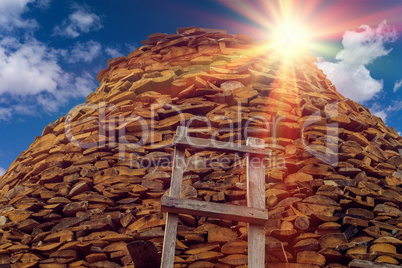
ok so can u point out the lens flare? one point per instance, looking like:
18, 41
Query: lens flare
314, 24
290, 33
290, 38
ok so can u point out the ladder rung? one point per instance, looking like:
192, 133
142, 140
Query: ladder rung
192, 142
215, 210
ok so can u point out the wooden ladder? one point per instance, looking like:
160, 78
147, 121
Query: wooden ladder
254, 214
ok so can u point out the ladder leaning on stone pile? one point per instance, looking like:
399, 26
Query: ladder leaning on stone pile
255, 214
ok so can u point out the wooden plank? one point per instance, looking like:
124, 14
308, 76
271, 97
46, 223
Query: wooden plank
218, 145
370, 264
144, 254
275, 252
399, 147
216, 210
255, 199
178, 166
291, 265
169, 240
172, 219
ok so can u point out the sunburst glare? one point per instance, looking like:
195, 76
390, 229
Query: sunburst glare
290, 33
309, 23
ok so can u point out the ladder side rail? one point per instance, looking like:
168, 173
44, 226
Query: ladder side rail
256, 199
172, 219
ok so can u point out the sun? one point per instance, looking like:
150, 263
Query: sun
291, 38
290, 33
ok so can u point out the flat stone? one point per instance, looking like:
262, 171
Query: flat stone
382, 248
332, 240
355, 221
310, 257
389, 240
382, 208
360, 213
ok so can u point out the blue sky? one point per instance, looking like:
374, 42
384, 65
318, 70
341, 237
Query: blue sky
51, 51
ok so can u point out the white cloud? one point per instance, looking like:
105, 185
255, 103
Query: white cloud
366, 44
131, 47
395, 107
113, 52
33, 79
353, 81
5, 113
85, 52
72, 87
397, 85
79, 22
384, 113
2, 171
43, 3
28, 68
360, 47
10, 14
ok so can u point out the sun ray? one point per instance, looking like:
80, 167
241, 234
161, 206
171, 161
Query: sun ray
293, 27
325, 20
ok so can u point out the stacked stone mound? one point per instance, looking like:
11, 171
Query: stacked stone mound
93, 181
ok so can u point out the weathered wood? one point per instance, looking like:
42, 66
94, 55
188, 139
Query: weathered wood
370, 264
310, 257
144, 254
218, 145
350, 232
255, 214
274, 252
399, 148
332, 240
172, 219
215, 210
256, 199
302, 223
